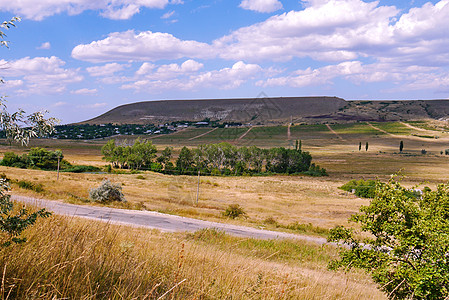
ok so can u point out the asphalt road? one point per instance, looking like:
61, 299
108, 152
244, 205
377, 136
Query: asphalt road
155, 220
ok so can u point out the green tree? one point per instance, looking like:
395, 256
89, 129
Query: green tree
407, 245
185, 160
165, 156
366, 146
360, 146
108, 151
401, 146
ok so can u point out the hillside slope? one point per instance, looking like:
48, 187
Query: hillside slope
274, 110
258, 110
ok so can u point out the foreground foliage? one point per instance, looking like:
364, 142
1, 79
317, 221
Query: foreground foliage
408, 251
12, 224
70, 258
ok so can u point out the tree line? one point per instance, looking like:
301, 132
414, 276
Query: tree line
213, 159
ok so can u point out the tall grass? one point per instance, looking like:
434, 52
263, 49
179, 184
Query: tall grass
79, 259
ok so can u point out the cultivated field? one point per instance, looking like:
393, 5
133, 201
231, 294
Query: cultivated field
298, 204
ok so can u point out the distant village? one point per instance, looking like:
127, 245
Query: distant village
88, 132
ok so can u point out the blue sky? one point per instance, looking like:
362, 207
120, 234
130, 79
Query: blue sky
80, 58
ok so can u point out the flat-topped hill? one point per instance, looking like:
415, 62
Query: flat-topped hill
274, 110
256, 110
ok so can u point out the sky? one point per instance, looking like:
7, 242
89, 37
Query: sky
80, 58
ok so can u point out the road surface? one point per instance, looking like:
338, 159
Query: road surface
155, 220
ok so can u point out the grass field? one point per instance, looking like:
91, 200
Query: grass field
78, 259
298, 204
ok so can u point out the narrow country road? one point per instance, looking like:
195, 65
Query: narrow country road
155, 220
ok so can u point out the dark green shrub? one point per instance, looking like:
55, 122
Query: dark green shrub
82, 169
361, 188
315, 170
234, 211
156, 167
28, 185
10, 159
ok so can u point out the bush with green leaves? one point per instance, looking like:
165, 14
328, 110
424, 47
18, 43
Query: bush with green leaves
361, 188
82, 169
28, 185
36, 158
12, 223
234, 211
407, 245
107, 192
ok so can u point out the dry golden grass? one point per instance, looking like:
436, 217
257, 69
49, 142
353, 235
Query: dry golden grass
87, 260
79, 259
286, 199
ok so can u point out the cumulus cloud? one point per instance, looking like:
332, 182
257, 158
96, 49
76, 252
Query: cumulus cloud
320, 76
262, 6
84, 92
105, 70
342, 30
226, 78
405, 78
143, 46
117, 9
40, 75
335, 28
168, 71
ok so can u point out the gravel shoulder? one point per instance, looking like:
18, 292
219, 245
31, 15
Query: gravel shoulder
155, 220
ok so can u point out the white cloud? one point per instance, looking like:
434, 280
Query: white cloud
44, 46
329, 30
12, 84
149, 46
106, 70
262, 6
226, 78
320, 76
405, 78
93, 105
168, 15
116, 9
169, 71
40, 75
342, 30
145, 68
84, 92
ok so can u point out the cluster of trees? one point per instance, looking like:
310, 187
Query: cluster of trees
37, 158
224, 158
214, 159
139, 155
